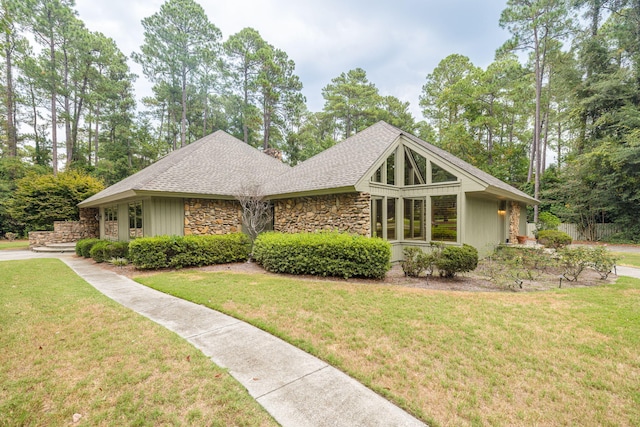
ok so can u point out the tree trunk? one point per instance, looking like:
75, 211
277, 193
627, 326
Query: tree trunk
54, 118
96, 135
12, 140
67, 110
183, 121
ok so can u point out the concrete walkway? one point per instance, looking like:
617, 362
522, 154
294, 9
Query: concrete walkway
296, 388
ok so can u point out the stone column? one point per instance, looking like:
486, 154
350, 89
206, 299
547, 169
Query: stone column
514, 222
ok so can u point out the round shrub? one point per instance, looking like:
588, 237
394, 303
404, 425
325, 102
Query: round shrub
83, 247
457, 259
554, 238
97, 250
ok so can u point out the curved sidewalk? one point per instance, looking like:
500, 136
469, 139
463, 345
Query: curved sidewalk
297, 389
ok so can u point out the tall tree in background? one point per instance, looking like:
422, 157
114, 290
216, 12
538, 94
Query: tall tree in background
48, 21
352, 100
537, 26
177, 40
10, 42
278, 90
244, 66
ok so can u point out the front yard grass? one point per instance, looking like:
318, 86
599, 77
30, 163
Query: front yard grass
14, 244
562, 357
628, 259
67, 349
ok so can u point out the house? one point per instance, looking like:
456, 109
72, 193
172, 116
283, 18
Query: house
380, 182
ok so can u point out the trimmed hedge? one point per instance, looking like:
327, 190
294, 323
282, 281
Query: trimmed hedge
323, 254
554, 238
83, 247
188, 251
104, 250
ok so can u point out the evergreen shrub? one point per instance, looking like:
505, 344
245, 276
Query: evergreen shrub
554, 238
188, 251
457, 259
83, 247
323, 254
104, 250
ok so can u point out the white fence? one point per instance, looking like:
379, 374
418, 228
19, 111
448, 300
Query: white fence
597, 232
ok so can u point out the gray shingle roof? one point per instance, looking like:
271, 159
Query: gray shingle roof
221, 165
217, 164
344, 164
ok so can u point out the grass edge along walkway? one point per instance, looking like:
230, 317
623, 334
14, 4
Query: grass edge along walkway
68, 349
552, 358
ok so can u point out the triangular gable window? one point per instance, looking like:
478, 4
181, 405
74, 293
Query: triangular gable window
440, 175
415, 168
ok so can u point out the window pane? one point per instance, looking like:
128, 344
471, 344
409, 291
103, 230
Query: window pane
376, 217
391, 169
414, 219
391, 219
415, 168
444, 218
377, 176
440, 175
135, 220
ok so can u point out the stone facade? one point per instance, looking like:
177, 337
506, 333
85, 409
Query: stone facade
212, 216
514, 222
68, 231
350, 212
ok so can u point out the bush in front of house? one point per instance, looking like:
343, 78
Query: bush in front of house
188, 251
554, 238
417, 260
83, 247
323, 254
457, 259
104, 250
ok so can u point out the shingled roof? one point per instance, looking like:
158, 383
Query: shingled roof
220, 165
216, 165
346, 163
342, 165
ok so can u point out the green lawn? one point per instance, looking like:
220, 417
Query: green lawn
628, 259
68, 349
565, 357
14, 244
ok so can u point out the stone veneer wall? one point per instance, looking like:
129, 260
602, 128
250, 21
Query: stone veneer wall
212, 216
514, 222
68, 231
350, 212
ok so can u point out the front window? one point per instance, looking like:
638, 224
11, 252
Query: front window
135, 220
391, 219
440, 175
391, 169
111, 223
414, 219
383, 218
376, 217
415, 168
444, 218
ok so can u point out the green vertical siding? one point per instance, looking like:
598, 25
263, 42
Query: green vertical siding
165, 217
482, 224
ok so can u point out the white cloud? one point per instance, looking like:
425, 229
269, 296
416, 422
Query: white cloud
397, 43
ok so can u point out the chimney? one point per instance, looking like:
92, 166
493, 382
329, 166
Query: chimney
273, 153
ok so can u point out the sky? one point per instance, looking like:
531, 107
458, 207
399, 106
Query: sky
397, 42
